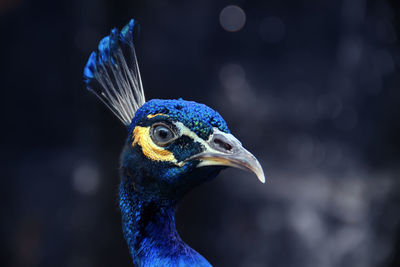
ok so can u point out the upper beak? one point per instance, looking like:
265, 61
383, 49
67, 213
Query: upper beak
225, 150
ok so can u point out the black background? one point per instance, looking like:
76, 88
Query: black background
311, 87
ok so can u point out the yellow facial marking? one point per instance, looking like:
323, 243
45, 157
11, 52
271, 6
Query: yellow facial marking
153, 115
142, 137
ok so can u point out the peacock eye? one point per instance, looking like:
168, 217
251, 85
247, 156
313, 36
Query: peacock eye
161, 134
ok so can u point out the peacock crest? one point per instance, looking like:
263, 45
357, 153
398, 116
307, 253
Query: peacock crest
113, 73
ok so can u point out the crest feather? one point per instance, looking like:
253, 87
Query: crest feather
113, 74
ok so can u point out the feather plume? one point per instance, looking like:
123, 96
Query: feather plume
113, 74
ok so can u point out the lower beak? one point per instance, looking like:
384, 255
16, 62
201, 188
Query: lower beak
225, 150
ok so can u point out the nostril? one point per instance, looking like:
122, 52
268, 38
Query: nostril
222, 144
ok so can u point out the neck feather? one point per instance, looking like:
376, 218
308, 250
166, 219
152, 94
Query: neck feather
149, 229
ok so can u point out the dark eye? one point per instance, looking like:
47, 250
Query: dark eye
162, 134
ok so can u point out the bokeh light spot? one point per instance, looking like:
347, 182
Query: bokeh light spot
86, 179
232, 76
232, 18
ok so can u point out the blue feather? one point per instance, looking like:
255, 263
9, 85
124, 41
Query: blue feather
108, 47
90, 68
126, 35
113, 73
104, 50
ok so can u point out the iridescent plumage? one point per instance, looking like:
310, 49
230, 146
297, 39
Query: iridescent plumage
113, 74
172, 146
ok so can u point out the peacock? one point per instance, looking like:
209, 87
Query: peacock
172, 147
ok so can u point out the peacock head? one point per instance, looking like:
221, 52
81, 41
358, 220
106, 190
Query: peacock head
174, 145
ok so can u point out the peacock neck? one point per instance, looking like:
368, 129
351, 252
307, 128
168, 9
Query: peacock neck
149, 229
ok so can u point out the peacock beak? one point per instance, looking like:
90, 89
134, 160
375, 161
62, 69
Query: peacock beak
224, 149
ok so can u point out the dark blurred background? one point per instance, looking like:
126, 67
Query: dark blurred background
311, 87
